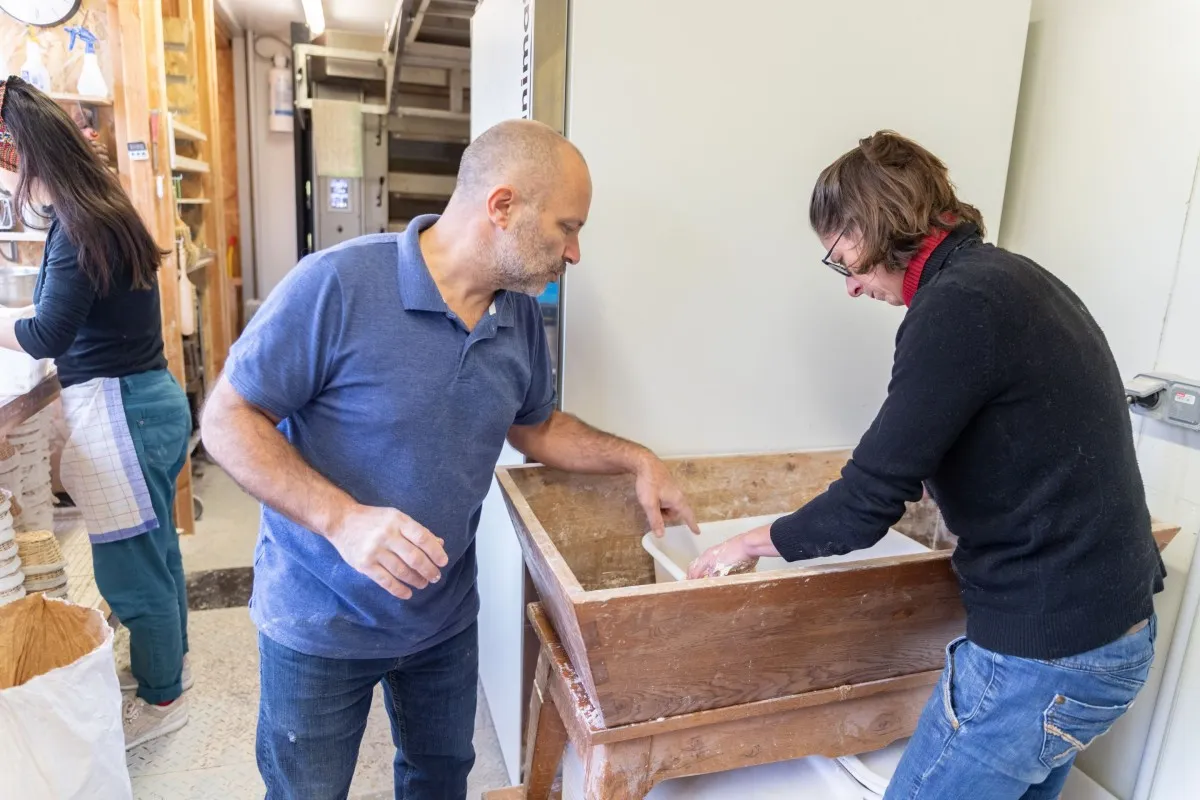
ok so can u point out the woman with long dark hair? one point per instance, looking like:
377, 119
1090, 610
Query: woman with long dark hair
97, 313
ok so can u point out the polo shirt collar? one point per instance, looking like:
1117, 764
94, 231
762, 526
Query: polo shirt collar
419, 291
503, 304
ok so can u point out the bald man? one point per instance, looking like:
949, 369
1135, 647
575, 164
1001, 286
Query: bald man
365, 406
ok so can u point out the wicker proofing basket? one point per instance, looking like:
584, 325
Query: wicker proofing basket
39, 549
49, 582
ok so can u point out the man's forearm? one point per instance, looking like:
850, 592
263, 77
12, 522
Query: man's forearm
567, 443
247, 445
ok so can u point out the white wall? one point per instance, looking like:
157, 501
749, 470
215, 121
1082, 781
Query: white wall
700, 318
495, 96
1103, 157
274, 177
1170, 460
1102, 178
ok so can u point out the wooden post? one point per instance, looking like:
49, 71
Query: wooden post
545, 738
217, 317
142, 90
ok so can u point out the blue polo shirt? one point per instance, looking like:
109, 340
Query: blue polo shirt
388, 395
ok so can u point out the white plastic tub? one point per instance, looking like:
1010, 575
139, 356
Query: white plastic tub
862, 777
678, 547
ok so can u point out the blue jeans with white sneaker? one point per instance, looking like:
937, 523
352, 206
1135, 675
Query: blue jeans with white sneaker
1005, 728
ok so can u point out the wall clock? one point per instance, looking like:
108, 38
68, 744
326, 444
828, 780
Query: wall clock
43, 13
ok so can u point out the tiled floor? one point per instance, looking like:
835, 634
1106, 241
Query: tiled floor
213, 757
226, 531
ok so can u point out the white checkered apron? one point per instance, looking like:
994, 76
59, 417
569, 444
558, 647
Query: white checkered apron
100, 468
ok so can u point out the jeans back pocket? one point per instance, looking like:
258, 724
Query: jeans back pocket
1070, 726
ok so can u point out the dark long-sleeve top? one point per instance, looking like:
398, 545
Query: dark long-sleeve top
1006, 401
89, 335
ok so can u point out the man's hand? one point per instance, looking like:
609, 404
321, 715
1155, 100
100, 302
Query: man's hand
734, 556
563, 442
390, 548
661, 499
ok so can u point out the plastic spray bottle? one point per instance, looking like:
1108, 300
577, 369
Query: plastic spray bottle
91, 80
33, 71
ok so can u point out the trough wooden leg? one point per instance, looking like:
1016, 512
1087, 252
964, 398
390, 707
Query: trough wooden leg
545, 736
619, 771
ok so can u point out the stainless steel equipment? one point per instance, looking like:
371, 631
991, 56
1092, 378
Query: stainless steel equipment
16, 285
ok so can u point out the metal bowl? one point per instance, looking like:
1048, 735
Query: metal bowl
16, 285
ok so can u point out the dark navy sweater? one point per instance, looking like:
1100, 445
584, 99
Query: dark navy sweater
1006, 401
89, 335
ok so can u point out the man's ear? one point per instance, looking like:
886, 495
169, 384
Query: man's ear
500, 202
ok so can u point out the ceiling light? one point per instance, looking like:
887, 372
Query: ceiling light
314, 16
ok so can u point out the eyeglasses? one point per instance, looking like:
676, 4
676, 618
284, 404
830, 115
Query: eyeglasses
840, 269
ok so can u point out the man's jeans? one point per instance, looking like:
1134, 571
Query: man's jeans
1004, 728
313, 711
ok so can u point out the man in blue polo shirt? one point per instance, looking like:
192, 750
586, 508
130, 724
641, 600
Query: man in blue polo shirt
365, 406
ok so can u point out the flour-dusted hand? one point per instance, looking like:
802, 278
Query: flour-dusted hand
734, 556
662, 499
390, 548
727, 558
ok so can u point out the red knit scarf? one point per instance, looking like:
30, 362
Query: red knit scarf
916, 265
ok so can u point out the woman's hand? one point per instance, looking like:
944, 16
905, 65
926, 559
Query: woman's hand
17, 312
8, 326
734, 556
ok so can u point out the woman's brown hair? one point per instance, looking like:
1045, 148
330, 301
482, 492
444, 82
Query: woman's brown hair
88, 200
893, 193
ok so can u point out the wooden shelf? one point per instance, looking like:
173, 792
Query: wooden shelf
186, 132
192, 201
182, 164
22, 236
87, 100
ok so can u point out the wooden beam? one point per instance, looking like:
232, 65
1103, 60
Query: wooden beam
219, 294
140, 88
625, 763
518, 793
1164, 533
17, 411
546, 738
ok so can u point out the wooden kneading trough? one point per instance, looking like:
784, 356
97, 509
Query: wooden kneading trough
644, 651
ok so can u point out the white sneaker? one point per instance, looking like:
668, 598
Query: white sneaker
144, 722
129, 683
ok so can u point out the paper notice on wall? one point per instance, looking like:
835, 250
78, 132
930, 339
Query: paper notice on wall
338, 138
